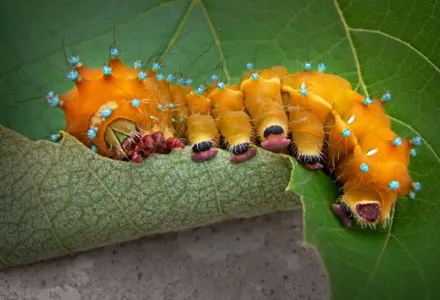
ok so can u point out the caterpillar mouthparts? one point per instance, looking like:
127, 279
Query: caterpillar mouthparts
130, 113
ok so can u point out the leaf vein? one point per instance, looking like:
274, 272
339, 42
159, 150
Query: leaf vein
379, 257
398, 40
216, 39
217, 194
40, 202
353, 50
417, 133
112, 196
419, 269
179, 28
363, 85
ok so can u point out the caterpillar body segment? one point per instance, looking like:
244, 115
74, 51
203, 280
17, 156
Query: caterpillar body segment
164, 105
265, 105
366, 119
130, 113
201, 129
233, 123
333, 89
198, 104
226, 100
340, 138
180, 110
237, 129
121, 70
203, 135
308, 113
308, 136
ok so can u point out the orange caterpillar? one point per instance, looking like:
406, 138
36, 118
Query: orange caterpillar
131, 112
365, 155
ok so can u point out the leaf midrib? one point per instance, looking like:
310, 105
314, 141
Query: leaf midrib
389, 234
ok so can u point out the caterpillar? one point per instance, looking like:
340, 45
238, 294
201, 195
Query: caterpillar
130, 112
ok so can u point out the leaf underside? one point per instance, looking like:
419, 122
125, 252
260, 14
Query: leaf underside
63, 198
377, 45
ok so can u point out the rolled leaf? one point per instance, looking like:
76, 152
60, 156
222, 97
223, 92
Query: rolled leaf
57, 199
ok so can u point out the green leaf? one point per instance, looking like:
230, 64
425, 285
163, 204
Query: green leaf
62, 198
377, 45
393, 48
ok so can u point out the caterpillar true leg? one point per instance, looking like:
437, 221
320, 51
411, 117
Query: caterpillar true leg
122, 135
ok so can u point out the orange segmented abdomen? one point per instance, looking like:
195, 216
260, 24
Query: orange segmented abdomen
228, 109
309, 100
87, 73
308, 114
